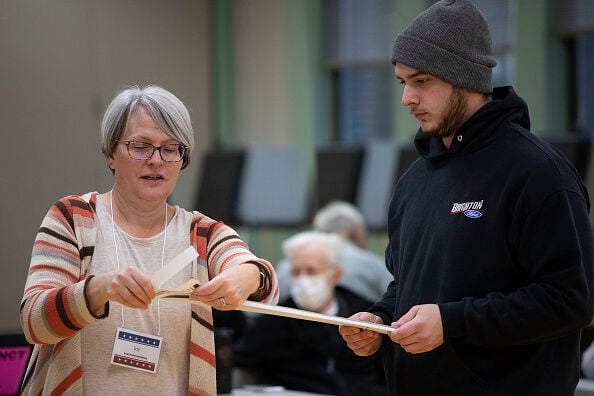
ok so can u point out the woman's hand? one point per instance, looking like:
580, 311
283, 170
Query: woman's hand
129, 287
230, 288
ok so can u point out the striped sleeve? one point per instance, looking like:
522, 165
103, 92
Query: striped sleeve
53, 306
222, 248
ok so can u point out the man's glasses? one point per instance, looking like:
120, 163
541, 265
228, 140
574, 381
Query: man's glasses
142, 151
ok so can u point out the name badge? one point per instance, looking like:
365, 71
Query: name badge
136, 350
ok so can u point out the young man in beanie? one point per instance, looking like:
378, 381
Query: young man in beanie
490, 243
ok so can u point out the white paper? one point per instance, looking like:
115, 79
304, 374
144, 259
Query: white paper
181, 292
173, 267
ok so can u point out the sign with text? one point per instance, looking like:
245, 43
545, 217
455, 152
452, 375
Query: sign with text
13, 361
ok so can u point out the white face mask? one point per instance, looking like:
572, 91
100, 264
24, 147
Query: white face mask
311, 293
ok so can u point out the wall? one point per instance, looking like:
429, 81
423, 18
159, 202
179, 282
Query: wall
62, 62
260, 68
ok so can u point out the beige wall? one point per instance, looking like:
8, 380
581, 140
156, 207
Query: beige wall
61, 63
261, 72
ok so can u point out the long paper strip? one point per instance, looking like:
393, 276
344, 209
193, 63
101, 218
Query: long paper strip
252, 306
182, 293
174, 266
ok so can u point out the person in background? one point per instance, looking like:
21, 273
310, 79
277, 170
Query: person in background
304, 355
364, 272
587, 365
489, 241
88, 291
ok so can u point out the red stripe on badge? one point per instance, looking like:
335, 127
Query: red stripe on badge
126, 361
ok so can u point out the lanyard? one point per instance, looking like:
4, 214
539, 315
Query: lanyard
118, 258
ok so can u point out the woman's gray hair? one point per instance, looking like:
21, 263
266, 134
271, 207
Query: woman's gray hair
168, 112
332, 244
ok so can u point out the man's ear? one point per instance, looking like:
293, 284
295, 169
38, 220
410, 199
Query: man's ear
337, 274
358, 235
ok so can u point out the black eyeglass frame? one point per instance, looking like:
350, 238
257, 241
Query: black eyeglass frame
181, 148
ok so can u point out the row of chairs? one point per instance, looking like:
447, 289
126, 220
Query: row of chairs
270, 186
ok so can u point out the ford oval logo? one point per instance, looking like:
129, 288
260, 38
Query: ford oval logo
473, 214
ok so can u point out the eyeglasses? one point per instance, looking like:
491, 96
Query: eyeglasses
142, 151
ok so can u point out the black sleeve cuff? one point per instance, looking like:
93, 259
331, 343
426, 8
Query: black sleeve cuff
265, 284
105, 309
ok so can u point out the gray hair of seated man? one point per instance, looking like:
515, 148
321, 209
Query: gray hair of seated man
331, 244
344, 219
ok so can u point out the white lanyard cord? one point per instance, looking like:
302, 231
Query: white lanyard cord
118, 258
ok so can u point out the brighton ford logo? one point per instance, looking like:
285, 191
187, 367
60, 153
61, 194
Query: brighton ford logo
473, 214
472, 210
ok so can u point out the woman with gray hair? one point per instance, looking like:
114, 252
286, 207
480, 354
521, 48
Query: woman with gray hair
89, 303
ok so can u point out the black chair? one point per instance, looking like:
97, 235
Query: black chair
576, 147
219, 185
338, 170
408, 155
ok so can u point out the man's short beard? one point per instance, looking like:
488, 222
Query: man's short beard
453, 117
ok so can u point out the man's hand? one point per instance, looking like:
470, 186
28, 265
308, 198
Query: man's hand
362, 342
419, 330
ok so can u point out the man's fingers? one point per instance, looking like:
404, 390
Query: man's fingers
401, 333
348, 330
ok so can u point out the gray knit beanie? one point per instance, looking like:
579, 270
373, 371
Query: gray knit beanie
451, 41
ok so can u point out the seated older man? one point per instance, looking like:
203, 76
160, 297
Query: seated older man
303, 355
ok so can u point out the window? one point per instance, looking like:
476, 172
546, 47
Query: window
501, 16
359, 37
584, 84
575, 23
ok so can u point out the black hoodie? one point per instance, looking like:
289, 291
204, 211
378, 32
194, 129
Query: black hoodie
494, 230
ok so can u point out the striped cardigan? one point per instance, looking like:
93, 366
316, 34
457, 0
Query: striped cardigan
54, 309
